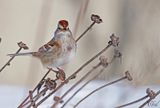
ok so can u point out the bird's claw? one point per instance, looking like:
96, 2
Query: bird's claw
61, 74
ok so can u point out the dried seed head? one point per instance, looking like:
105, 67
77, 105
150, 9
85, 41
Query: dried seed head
96, 18
50, 84
150, 93
103, 61
22, 45
57, 98
128, 75
61, 75
114, 40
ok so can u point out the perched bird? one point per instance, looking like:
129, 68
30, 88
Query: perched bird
59, 50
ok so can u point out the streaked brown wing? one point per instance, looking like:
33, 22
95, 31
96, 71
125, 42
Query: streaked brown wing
50, 46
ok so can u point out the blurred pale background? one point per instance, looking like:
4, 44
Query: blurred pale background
136, 22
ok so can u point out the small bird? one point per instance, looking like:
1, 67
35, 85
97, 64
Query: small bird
58, 51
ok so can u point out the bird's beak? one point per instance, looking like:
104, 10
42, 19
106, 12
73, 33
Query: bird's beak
64, 28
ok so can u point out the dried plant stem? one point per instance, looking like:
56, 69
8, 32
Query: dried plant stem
136, 101
120, 79
21, 46
37, 97
74, 74
82, 88
8, 63
150, 99
95, 76
20, 106
85, 31
78, 82
95, 19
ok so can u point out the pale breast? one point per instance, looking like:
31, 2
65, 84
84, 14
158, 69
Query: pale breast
68, 50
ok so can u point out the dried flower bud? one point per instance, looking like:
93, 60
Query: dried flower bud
57, 98
50, 84
96, 18
128, 75
22, 45
103, 61
61, 75
114, 40
150, 93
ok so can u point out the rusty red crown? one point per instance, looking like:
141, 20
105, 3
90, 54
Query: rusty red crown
64, 23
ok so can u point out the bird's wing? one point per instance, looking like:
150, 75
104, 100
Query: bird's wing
52, 45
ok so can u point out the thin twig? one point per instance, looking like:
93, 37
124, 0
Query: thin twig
20, 106
95, 76
21, 46
37, 97
31, 98
150, 93
78, 82
74, 74
150, 99
95, 19
80, 15
133, 102
81, 88
85, 31
127, 76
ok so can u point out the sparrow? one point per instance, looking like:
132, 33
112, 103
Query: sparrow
58, 51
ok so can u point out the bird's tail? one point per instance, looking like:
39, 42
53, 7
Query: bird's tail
20, 54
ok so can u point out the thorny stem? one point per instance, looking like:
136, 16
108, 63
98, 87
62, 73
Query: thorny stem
85, 31
120, 79
95, 76
74, 74
136, 101
20, 106
8, 63
78, 82
150, 99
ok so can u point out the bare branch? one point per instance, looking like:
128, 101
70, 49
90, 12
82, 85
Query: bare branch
120, 79
21, 46
95, 19
152, 96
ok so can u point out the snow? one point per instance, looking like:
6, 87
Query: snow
109, 97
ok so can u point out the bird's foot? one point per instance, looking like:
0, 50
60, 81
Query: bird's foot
60, 74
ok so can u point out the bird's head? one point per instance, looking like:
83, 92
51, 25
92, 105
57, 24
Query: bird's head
63, 25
